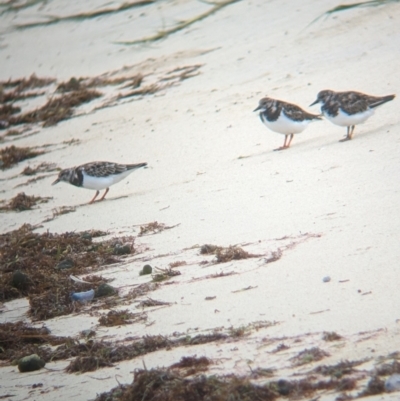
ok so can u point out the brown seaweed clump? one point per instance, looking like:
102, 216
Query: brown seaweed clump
46, 261
23, 202
12, 155
165, 385
309, 355
57, 108
120, 318
18, 339
226, 254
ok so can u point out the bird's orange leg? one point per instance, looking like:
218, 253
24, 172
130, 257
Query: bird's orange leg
94, 197
290, 140
348, 136
104, 195
351, 133
284, 144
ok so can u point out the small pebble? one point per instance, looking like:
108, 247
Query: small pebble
65, 264
105, 290
20, 280
326, 279
122, 249
30, 363
392, 383
147, 269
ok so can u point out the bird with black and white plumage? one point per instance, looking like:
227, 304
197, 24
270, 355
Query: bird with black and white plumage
284, 118
97, 175
350, 108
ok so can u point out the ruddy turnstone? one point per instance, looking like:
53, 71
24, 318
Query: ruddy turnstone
348, 109
97, 175
284, 118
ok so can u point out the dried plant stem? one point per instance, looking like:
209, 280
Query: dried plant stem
182, 25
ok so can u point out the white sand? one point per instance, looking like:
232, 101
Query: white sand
212, 171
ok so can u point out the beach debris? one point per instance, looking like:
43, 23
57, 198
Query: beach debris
152, 228
190, 365
78, 280
67, 263
122, 249
105, 290
164, 274
226, 254
152, 302
308, 356
121, 317
181, 25
331, 336
40, 168
37, 255
392, 383
22, 202
83, 297
374, 386
30, 363
20, 280
338, 370
141, 290
147, 269
11, 155
172, 384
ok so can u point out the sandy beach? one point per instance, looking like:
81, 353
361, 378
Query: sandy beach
319, 220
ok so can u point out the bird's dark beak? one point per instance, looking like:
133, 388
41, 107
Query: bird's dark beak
258, 108
312, 104
56, 181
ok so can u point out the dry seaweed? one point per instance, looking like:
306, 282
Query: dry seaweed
190, 365
18, 339
301, 388
87, 15
40, 168
108, 353
165, 385
164, 274
339, 370
346, 7
22, 202
56, 109
22, 84
141, 290
121, 317
374, 386
12, 155
43, 257
226, 254
331, 336
309, 355
152, 302
182, 25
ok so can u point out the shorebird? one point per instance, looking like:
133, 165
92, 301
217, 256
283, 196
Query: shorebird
285, 118
347, 109
97, 175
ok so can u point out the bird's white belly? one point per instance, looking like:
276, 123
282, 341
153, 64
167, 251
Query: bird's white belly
345, 120
286, 126
99, 183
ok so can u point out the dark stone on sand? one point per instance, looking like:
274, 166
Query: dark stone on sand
20, 280
30, 363
105, 290
65, 264
147, 269
122, 249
